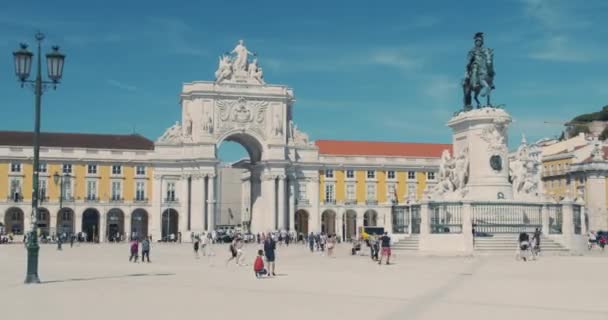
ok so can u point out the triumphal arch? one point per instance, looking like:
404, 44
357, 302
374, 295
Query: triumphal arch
238, 106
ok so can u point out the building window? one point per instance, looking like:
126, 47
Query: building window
301, 191
67, 168
350, 174
42, 167
116, 194
329, 173
350, 191
15, 167
42, 189
329, 193
391, 192
16, 190
92, 169
116, 169
411, 175
411, 190
390, 174
371, 192
371, 174
66, 215
140, 170
67, 189
91, 190
430, 175
170, 191
140, 194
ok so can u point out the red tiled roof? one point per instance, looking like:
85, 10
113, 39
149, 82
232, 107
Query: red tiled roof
77, 140
377, 148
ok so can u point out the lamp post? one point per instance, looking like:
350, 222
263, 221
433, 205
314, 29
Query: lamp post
23, 65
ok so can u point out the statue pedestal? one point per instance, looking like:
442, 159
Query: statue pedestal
482, 133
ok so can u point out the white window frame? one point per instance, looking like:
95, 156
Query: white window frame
170, 191
66, 168
42, 167
302, 191
430, 176
42, 185
116, 172
329, 173
113, 194
411, 173
388, 175
91, 194
18, 189
92, 166
68, 188
330, 192
137, 190
371, 176
137, 171
16, 167
371, 196
346, 172
391, 190
354, 192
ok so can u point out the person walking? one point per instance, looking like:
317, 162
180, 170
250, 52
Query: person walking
536, 239
385, 241
311, 242
145, 250
233, 252
134, 251
269, 251
196, 242
331, 243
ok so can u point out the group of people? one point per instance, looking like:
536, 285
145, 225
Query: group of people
599, 238
379, 246
145, 249
528, 248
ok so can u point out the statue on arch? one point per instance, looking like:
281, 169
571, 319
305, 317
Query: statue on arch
224, 71
240, 62
479, 73
172, 134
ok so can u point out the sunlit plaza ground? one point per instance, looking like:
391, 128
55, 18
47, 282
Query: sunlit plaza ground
97, 282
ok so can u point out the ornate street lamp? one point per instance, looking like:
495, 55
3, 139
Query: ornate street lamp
23, 66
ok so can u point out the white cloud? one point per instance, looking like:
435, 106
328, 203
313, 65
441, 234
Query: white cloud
555, 14
560, 49
395, 57
121, 85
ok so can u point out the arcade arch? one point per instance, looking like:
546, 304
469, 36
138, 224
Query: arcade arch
14, 221
90, 224
328, 222
65, 221
139, 224
301, 222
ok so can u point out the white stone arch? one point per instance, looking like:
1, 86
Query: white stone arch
251, 141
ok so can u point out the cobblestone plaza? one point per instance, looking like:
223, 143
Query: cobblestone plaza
97, 282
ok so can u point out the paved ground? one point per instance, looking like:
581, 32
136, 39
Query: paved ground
97, 282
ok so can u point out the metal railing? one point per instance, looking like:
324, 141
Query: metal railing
350, 202
302, 202
506, 217
371, 202
445, 217
555, 218
576, 218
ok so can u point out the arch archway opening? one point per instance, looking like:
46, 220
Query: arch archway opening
115, 225
90, 225
350, 225
370, 218
43, 221
328, 222
238, 186
301, 222
65, 221
14, 221
169, 225
139, 224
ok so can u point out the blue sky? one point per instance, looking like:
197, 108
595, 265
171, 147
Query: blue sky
383, 70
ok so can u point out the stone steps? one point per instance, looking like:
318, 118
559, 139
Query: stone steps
407, 244
508, 242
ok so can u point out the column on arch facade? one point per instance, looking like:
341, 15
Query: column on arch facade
292, 203
281, 203
211, 202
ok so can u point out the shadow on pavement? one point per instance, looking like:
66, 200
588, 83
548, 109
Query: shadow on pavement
109, 277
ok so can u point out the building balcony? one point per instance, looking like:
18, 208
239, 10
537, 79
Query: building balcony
15, 198
117, 200
171, 200
331, 202
371, 202
302, 202
140, 200
91, 198
350, 202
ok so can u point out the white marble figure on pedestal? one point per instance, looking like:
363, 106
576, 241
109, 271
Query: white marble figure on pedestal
240, 62
453, 176
525, 175
173, 134
224, 71
277, 126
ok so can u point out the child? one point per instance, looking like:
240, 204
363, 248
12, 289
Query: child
134, 251
258, 265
